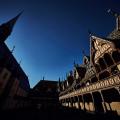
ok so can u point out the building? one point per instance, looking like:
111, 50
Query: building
94, 86
44, 94
14, 84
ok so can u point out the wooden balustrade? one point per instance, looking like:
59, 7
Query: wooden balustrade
111, 81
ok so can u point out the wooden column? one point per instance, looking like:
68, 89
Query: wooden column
83, 103
93, 101
105, 108
78, 102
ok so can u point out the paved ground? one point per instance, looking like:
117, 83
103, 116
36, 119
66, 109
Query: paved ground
54, 114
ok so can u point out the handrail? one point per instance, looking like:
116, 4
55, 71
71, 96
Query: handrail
85, 79
105, 83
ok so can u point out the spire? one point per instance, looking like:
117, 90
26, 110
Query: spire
6, 28
59, 80
43, 77
117, 16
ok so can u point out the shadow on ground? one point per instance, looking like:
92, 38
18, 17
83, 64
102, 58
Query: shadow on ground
60, 113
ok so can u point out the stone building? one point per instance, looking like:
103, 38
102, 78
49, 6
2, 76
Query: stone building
44, 94
95, 85
14, 84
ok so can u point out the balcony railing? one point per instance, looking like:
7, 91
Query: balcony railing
106, 83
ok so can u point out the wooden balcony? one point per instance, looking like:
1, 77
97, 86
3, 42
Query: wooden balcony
111, 81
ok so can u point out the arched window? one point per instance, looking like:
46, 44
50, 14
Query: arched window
108, 59
116, 56
102, 63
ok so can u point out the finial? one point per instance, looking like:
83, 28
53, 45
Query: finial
59, 79
90, 33
43, 77
13, 49
20, 62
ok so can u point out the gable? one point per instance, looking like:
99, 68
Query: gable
98, 47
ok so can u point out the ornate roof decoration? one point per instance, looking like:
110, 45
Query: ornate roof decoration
115, 34
98, 46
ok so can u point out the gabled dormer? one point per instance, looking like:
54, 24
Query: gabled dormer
99, 46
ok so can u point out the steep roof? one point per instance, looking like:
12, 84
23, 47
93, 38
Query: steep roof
115, 34
6, 28
46, 83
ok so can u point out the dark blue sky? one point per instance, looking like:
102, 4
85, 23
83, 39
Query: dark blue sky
51, 34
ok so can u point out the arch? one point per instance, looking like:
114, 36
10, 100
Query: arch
102, 63
116, 56
108, 59
104, 75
